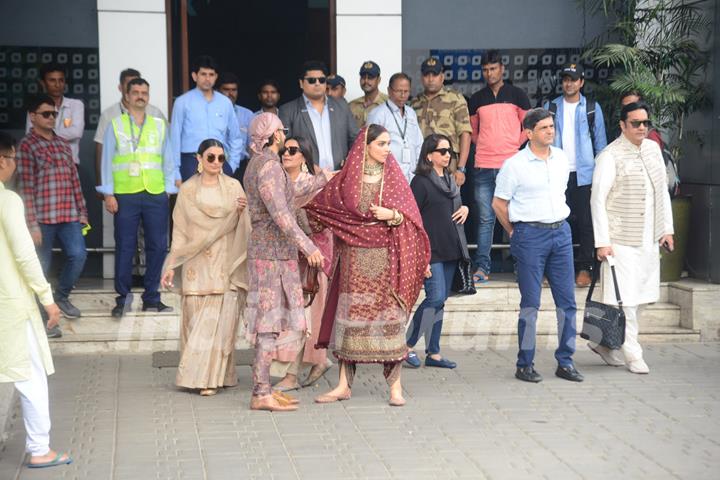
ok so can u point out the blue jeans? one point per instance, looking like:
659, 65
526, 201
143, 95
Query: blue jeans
154, 213
72, 242
428, 317
549, 252
484, 182
189, 165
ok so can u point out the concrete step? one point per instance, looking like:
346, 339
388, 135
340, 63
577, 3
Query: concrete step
491, 293
545, 339
489, 316
476, 319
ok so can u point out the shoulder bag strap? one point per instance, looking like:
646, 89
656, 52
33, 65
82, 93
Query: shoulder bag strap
595, 276
615, 284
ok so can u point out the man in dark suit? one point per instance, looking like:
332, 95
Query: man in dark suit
328, 125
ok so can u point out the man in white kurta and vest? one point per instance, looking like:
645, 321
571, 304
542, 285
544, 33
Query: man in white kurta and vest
24, 351
632, 217
138, 174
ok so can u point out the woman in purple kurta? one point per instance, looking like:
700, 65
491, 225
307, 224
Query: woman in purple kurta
275, 300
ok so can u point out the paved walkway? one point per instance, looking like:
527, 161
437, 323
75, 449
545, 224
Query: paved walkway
122, 419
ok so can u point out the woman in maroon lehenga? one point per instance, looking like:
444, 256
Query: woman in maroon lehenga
381, 257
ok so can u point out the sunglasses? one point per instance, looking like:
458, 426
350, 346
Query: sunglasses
313, 80
48, 114
291, 150
637, 123
211, 158
443, 151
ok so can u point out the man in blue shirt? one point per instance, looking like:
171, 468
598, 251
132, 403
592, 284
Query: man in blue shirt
228, 84
580, 132
530, 204
201, 114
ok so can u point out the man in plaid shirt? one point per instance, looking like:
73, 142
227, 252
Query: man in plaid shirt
54, 205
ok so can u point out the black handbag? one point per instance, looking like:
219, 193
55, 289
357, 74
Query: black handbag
604, 324
463, 280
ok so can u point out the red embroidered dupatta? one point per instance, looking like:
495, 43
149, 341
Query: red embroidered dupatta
337, 208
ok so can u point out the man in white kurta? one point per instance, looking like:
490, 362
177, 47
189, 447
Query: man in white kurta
631, 217
24, 351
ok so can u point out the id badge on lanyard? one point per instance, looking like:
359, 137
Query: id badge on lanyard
135, 167
406, 154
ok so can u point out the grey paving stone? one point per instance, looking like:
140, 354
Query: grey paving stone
475, 422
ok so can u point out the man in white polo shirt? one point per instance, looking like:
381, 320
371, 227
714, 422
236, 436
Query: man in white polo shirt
530, 204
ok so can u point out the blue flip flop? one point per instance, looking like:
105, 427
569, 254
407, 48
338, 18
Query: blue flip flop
52, 463
480, 277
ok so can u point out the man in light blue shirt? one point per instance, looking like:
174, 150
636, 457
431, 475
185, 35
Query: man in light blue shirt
201, 114
228, 85
530, 204
321, 126
405, 135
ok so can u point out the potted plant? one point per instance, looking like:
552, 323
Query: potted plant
657, 48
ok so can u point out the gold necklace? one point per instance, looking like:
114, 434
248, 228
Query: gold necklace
374, 169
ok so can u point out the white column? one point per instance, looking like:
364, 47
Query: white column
131, 34
368, 30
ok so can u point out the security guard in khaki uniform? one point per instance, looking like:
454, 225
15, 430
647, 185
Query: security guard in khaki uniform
137, 174
370, 83
444, 111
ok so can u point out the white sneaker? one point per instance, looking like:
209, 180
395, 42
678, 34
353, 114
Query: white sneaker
638, 366
611, 357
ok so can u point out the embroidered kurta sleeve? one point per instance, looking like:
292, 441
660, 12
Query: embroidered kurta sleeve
603, 180
272, 192
306, 187
21, 245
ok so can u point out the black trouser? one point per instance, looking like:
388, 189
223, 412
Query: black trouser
578, 199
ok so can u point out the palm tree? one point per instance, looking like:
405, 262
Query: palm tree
655, 47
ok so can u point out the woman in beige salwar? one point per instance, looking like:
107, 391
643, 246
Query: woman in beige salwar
297, 161
210, 232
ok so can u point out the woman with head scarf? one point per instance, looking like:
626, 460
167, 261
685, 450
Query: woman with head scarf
275, 302
381, 256
297, 160
210, 233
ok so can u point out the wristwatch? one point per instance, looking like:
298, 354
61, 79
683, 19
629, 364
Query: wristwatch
461, 169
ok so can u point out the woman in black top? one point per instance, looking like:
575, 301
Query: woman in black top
438, 198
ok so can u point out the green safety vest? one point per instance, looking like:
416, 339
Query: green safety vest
137, 164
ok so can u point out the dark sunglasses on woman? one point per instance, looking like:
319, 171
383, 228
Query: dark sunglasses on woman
443, 151
211, 158
291, 150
